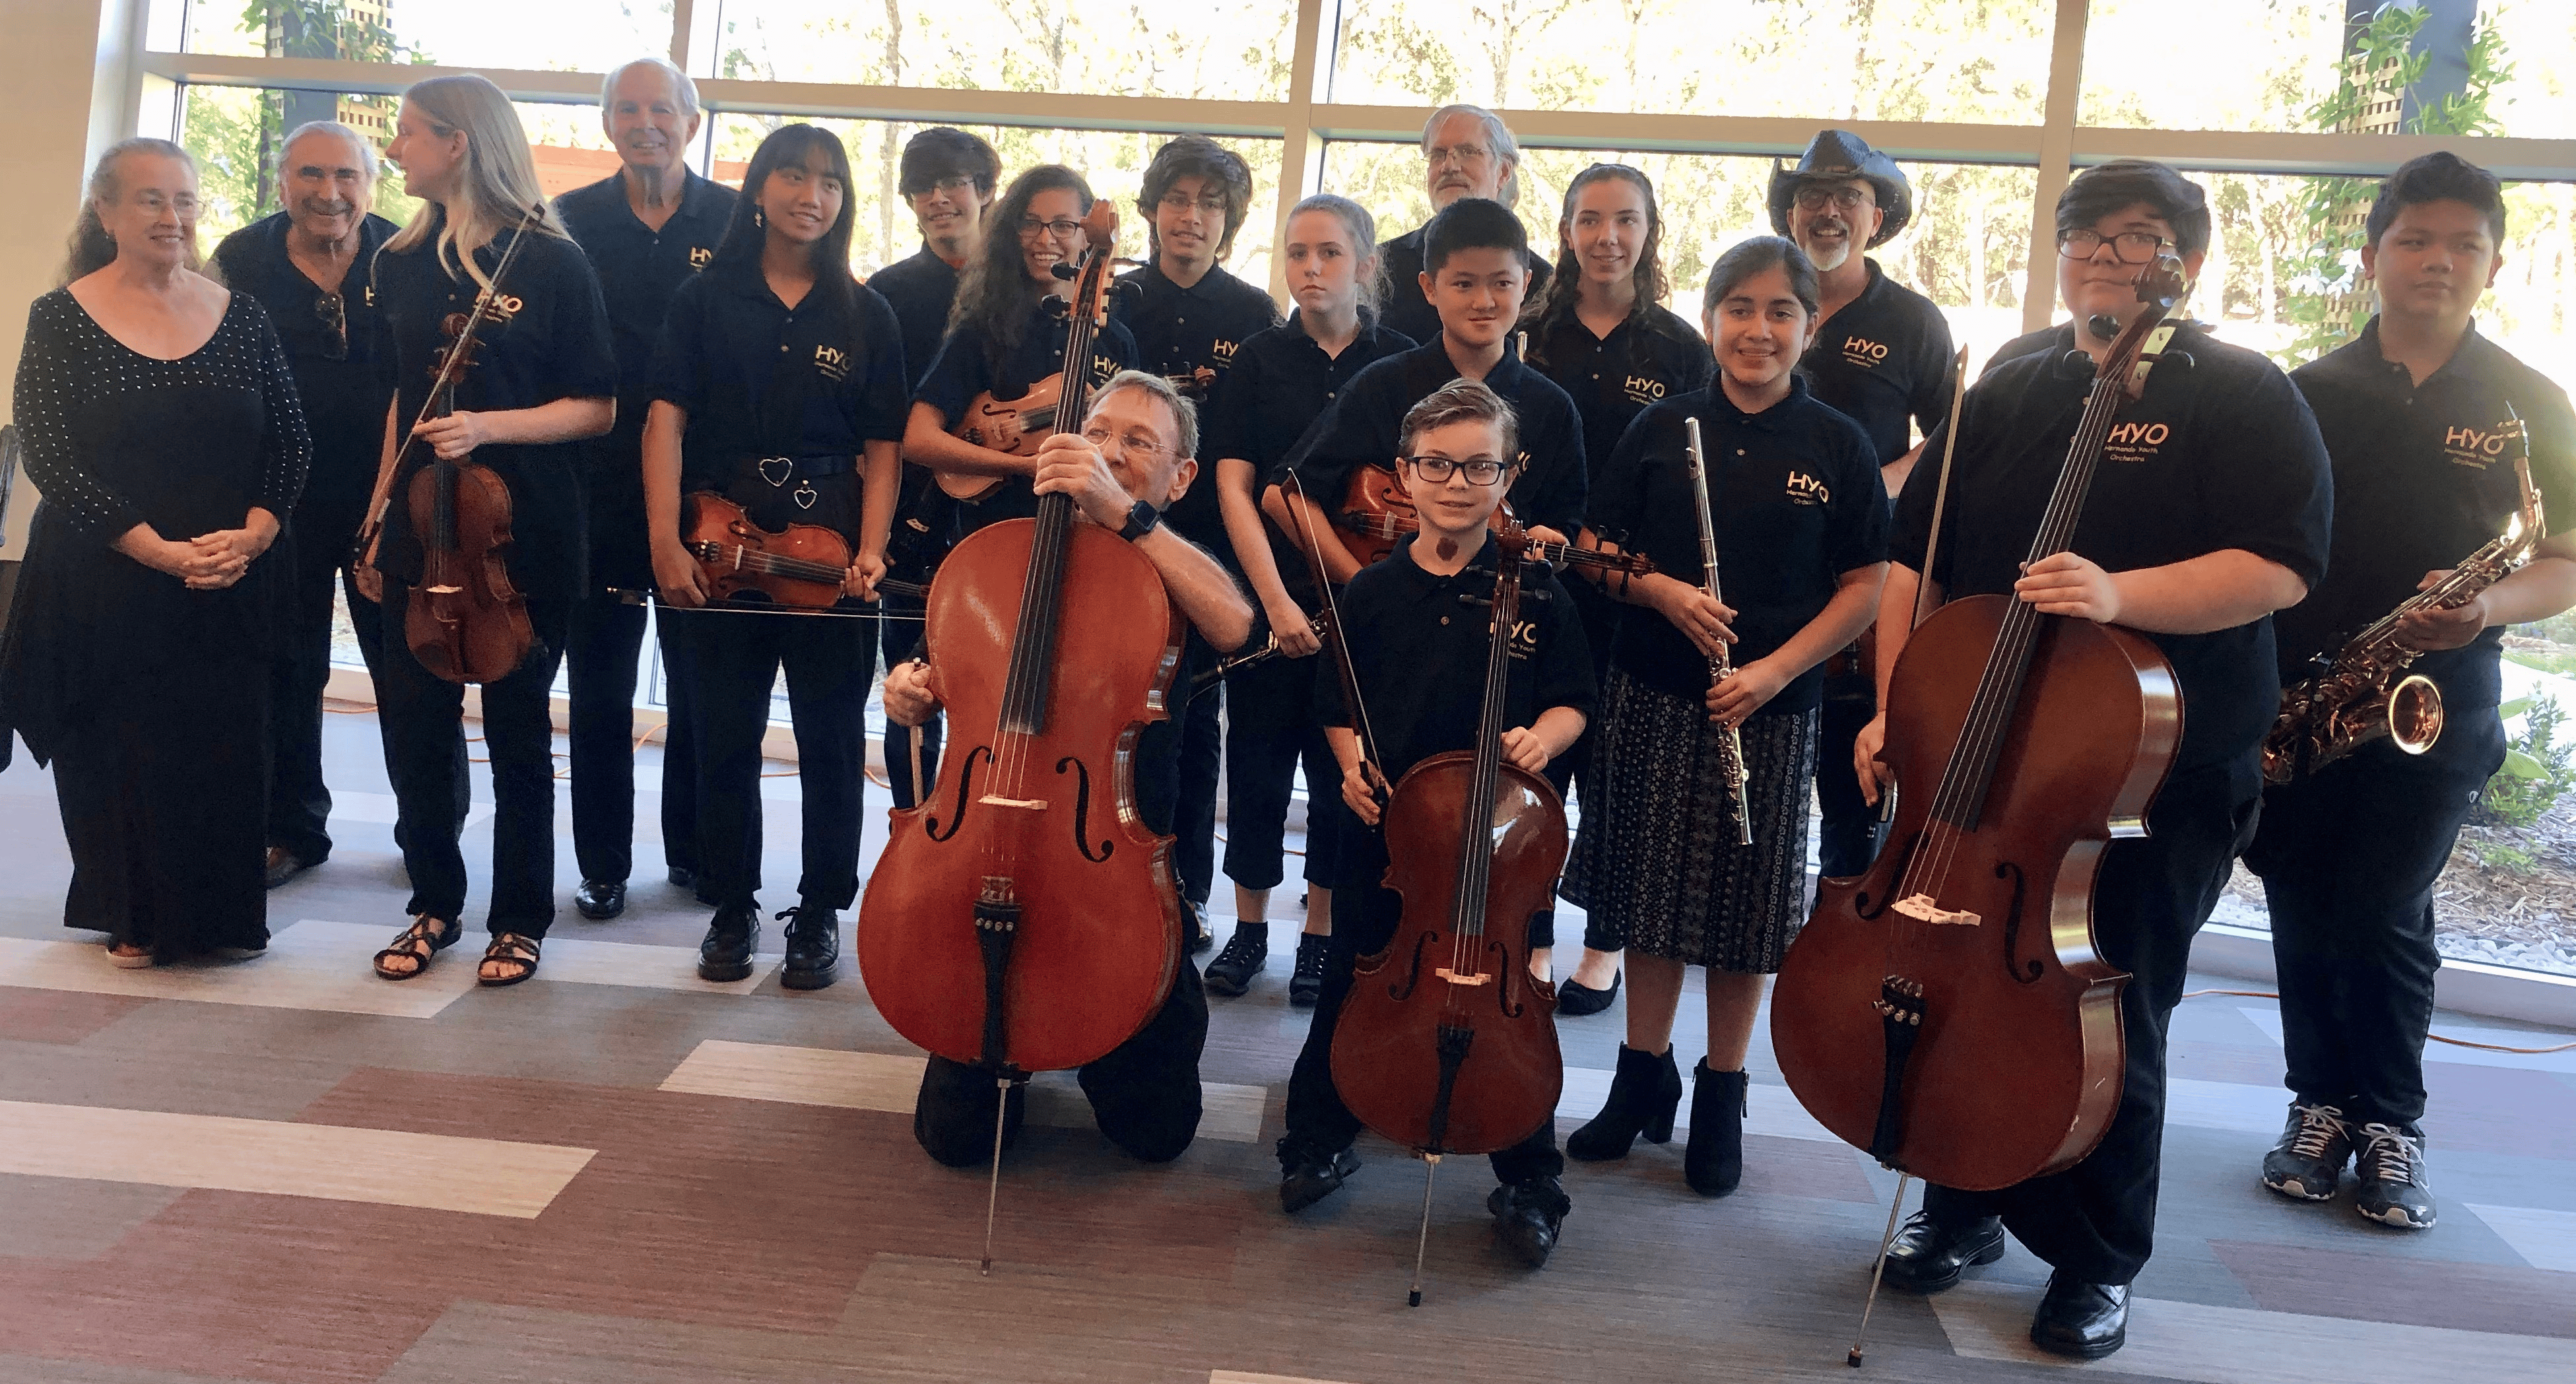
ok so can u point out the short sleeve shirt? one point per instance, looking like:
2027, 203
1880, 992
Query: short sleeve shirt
1648, 358
964, 369
1884, 359
553, 342
2220, 454
2423, 477
763, 382
1365, 426
1406, 310
920, 289
1795, 500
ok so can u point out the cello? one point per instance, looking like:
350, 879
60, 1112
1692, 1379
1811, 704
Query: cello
1447, 1043
1023, 918
1948, 1010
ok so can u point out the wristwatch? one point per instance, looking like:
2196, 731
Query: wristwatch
1141, 519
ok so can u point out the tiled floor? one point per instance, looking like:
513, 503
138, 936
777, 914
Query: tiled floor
287, 1170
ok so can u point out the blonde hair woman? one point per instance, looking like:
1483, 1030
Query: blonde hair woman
543, 377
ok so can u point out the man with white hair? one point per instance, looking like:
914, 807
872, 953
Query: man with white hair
647, 228
1467, 151
307, 265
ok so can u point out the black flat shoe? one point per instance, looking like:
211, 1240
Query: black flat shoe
1929, 1256
813, 947
732, 935
1528, 1218
1307, 1178
2082, 1321
599, 900
1573, 1000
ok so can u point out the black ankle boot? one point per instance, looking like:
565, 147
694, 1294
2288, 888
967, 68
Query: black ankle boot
1714, 1162
1643, 1096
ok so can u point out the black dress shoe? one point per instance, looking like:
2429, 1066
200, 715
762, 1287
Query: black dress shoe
1929, 1255
2083, 1321
1528, 1216
731, 937
682, 877
1575, 1001
1306, 1178
282, 865
813, 947
598, 899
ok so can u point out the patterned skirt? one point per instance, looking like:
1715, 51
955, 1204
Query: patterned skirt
1656, 860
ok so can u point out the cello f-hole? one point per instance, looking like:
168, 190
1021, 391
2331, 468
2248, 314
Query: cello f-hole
1867, 908
1082, 811
1512, 978
1403, 989
2030, 974
965, 788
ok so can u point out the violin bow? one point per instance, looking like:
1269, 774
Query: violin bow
1332, 623
1941, 492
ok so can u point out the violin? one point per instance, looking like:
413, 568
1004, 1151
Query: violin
1376, 512
801, 566
1447, 1044
465, 621
1022, 917
1947, 1010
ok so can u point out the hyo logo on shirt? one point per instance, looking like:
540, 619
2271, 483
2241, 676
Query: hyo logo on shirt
833, 362
2478, 447
1807, 490
2135, 441
1863, 352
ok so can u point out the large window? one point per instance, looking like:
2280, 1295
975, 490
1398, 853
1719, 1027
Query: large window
558, 35
1231, 49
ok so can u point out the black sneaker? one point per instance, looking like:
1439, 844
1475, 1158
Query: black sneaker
1232, 971
1528, 1217
1306, 984
2394, 1189
2307, 1165
732, 935
813, 947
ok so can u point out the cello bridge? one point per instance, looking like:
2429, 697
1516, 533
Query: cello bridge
1921, 908
1026, 804
1479, 978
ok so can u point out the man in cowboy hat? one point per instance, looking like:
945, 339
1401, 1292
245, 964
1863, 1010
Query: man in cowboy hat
1881, 353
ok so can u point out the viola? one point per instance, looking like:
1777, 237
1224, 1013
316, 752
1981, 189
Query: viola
1019, 425
1447, 1044
1947, 1010
1022, 917
801, 566
465, 621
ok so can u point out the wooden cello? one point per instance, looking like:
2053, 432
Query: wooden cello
1447, 1044
1947, 1010
1023, 918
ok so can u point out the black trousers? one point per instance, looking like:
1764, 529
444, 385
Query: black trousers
830, 662
1194, 811
679, 742
422, 715
1364, 921
1852, 831
2348, 857
601, 644
2096, 1221
901, 636
299, 802
1144, 1094
160, 786
1270, 730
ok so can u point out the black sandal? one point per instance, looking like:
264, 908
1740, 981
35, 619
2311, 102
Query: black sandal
424, 931
509, 949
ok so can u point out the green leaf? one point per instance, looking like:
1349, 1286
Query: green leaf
2523, 766
2514, 708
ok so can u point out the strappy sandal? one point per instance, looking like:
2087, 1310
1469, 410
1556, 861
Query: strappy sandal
419, 943
509, 949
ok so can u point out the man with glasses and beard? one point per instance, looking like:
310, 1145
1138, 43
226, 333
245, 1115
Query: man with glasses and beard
1467, 151
1880, 354
307, 265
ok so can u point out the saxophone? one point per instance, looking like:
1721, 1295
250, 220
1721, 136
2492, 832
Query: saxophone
2365, 692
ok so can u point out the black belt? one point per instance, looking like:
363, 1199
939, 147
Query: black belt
785, 471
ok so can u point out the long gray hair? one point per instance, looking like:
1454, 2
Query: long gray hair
92, 248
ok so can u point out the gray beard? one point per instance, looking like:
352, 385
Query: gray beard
1828, 263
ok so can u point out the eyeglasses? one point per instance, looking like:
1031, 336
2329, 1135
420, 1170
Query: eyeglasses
954, 182
1141, 445
1062, 228
334, 312
1465, 154
1181, 201
1843, 198
1438, 470
2132, 247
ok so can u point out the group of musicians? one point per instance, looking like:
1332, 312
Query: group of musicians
657, 344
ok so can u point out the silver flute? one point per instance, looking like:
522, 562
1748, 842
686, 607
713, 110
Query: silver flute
1731, 746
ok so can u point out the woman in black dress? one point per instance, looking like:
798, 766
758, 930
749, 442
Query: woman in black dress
1801, 532
544, 376
160, 421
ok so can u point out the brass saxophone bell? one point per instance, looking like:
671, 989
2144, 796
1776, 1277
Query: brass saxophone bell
2414, 714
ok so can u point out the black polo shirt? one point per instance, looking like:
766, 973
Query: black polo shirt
1884, 358
1280, 384
765, 384
345, 382
1795, 499
964, 369
1179, 331
554, 344
1365, 427
2221, 454
920, 290
2423, 477
1406, 310
1649, 357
